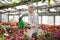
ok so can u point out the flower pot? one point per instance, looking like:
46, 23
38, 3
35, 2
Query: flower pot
39, 39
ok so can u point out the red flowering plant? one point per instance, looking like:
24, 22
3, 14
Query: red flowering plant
2, 31
58, 27
9, 38
55, 34
12, 33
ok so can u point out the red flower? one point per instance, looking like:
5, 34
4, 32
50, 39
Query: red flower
21, 38
49, 30
2, 31
55, 36
12, 30
40, 39
33, 39
59, 33
8, 37
16, 28
16, 39
54, 30
15, 33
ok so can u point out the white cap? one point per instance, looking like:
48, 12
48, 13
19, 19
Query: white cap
31, 6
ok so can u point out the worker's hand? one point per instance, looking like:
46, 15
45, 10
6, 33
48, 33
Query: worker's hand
32, 26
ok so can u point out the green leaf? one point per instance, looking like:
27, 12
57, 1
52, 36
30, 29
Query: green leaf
54, 0
47, 33
49, 2
37, 3
22, 0
4, 27
32, 1
1, 39
43, 1
15, 0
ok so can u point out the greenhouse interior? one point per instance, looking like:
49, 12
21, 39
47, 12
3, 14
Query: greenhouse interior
29, 19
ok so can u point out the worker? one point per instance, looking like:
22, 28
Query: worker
33, 20
21, 26
21, 22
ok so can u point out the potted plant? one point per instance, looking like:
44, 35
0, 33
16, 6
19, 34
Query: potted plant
40, 34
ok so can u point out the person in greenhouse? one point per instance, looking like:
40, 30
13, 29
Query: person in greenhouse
33, 19
21, 22
21, 26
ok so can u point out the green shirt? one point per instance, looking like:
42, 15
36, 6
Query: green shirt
21, 24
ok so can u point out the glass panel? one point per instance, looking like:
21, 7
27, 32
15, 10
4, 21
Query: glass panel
50, 20
57, 20
44, 19
5, 17
16, 18
25, 19
11, 18
39, 19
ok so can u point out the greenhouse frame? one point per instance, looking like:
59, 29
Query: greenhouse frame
29, 19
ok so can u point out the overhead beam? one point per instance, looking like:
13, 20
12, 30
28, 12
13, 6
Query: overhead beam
41, 14
46, 7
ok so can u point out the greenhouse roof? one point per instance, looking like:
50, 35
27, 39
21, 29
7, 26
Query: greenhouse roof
13, 3
25, 7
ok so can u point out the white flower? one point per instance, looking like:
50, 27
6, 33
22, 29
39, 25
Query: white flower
40, 32
6, 34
